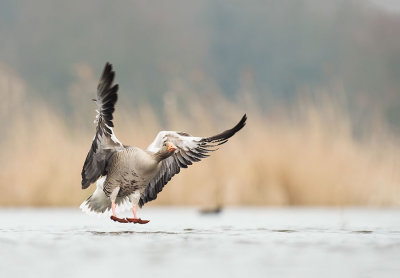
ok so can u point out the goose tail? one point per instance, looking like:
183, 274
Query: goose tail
99, 203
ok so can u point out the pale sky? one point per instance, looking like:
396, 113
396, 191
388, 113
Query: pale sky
389, 5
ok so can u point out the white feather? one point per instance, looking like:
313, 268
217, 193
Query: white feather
157, 143
100, 197
113, 137
184, 142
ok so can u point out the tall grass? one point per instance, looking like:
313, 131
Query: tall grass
301, 154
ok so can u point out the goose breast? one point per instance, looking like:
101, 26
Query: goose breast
131, 170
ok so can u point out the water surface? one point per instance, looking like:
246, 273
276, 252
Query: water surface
181, 242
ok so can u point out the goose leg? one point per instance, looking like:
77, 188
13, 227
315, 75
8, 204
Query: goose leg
114, 216
135, 219
134, 211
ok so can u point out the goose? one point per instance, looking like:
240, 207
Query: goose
128, 176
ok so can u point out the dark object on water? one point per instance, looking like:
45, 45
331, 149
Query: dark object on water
212, 210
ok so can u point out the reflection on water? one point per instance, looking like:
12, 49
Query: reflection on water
284, 231
129, 232
181, 242
362, 232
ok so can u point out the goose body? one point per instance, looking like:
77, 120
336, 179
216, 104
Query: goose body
128, 176
130, 171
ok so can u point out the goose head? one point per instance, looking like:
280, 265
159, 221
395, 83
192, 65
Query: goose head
166, 151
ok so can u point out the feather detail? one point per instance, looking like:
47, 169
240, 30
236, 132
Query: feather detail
189, 149
105, 143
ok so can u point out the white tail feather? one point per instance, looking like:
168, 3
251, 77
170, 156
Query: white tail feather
99, 203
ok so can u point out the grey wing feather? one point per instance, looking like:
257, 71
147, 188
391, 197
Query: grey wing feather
189, 149
104, 143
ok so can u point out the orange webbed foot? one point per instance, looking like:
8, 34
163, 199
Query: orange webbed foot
120, 220
137, 220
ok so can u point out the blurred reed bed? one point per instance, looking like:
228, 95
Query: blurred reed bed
300, 154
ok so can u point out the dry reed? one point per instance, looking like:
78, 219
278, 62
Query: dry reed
301, 155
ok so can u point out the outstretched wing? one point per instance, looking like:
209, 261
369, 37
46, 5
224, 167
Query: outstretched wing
104, 143
189, 149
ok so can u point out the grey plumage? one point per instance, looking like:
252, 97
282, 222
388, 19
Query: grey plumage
184, 156
104, 144
100, 203
130, 174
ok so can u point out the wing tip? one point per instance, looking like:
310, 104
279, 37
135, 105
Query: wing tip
108, 74
85, 184
224, 136
241, 123
108, 66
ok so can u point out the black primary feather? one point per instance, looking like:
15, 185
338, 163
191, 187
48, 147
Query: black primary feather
224, 136
103, 146
183, 158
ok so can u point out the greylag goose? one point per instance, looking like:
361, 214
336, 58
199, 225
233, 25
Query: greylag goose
131, 176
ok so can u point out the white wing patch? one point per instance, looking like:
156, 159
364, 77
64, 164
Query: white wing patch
182, 142
189, 149
158, 142
113, 137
